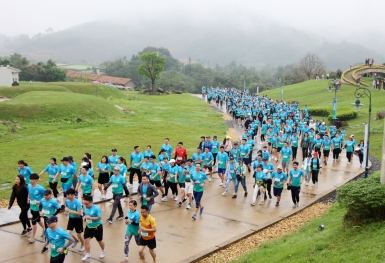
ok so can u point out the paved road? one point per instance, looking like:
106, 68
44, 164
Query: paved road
179, 239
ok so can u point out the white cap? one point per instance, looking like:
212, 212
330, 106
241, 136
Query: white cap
172, 161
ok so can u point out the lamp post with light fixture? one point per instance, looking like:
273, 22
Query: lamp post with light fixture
363, 92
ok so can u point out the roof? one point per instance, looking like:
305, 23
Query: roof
10, 69
98, 78
74, 67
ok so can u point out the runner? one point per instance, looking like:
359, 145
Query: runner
52, 170
165, 167
94, 227
259, 186
336, 146
223, 159
74, 210
216, 146
307, 169
326, 143
199, 179
104, 177
132, 222
172, 179
155, 174
148, 152
48, 207
235, 152
24, 170
122, 164
147, 193
305, 144
240, 172
280, 179
294, 145
286, 153
75, 166
180, 153
113, 160
66, 172
166, 146
188, 184
147, 234
117, 181
55, 237
136, 159
349, 146
20, 193
267, 168
296, 177
85, 182
230, 175
36, 193
315, 169
182, 171
208, 161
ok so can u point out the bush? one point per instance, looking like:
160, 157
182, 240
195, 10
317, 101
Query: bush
364, 200
320, 111
345, 114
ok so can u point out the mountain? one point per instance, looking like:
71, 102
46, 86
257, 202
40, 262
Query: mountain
254, 44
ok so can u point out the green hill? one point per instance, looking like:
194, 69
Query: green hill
11, 92
89, 89
50, 105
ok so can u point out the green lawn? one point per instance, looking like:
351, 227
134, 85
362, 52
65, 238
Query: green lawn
314, 93
334, 244
180, 117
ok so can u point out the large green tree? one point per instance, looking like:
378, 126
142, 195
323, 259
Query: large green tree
151, 67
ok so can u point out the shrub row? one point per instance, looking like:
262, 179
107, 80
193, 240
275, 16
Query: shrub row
342, 114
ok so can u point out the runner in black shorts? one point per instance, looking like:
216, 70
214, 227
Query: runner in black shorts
147, 234
74, 211
104, 176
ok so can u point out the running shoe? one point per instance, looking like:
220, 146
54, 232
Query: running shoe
188, 207
31, 240
82, 248
109, 221
120, 217
201, 210
125, 260
184, 200
86, 257
234, 196
224, 193
194, 217
102, 254
29, 230
221, 184
209, 179
75, 243
252, 204
245, 195
176, 198
44, 250
298, 204
277, 204
24, 233
179, 203
295, 205
164, 198
112, 201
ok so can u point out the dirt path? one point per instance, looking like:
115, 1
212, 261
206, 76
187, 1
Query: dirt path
4, 99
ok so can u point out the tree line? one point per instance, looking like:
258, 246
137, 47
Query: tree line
191, 76
45, 72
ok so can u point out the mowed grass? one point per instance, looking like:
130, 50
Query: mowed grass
179, 117
314, 93
56, 106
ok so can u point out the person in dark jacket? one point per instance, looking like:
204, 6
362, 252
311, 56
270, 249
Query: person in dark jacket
20, 193
147, 192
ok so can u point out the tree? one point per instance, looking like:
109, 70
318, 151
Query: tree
151, 67
18, 61
311, 64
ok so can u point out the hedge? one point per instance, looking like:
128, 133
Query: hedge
344, 115
320, 111
364, 200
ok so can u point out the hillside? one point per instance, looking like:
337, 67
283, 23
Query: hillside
256, 45
56, 106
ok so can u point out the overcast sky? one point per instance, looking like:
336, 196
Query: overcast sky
342, 17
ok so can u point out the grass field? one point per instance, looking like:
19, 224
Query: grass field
334, 244
180, 117
315, 93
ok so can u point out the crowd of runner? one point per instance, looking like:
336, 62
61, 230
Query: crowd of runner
281, 128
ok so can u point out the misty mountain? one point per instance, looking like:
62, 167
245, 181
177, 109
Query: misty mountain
255, 44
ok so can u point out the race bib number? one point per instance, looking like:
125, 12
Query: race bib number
144, 234
52, 246
220, 162
114, 185
89, 221
33, 202
285, 156
45, 212
277, 180
51, 176
179, 158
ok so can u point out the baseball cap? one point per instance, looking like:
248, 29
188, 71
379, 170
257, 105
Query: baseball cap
279, 167
172, 161
52, 219
231, 158
117, 168
47, 192
65, 159
228, 137
114, 150
70, 158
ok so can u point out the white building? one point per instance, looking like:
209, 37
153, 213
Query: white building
8, 75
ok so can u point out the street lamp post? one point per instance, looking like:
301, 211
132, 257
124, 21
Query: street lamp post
334, 111
244, 82
280, 80
363, 92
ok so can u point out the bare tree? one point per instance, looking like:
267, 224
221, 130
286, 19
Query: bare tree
311, 64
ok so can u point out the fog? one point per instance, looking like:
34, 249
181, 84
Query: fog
343, 20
